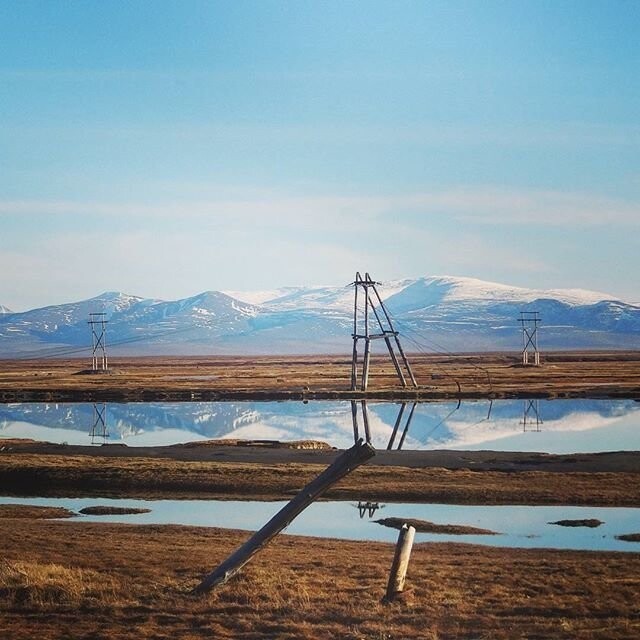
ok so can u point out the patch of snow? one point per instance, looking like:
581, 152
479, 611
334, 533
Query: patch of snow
473, 289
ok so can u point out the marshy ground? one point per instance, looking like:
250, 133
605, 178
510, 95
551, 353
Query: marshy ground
68, 579
61, 579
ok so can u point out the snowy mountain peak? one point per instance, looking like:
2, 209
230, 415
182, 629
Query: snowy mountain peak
114, 302
459, 314
4, 310
430, 290
262, 296
217, 300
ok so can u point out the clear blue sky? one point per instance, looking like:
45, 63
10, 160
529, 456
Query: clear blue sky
165, 148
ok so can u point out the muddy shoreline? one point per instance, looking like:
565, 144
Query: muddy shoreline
246, 472
230, 395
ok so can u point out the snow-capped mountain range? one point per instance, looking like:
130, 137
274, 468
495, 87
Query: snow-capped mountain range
432, 313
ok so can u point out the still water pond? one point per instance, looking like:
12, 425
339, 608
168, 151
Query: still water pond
551, 426
517, 526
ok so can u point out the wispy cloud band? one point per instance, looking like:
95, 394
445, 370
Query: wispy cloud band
476, 205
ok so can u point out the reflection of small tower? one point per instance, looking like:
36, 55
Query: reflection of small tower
368, 508
98, 325
362, 330
530, 321
99, 432
531, 419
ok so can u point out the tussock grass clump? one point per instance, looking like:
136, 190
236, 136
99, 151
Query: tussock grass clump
108, 511
45, 585
592, 523
424, 526
629, 537
283, 591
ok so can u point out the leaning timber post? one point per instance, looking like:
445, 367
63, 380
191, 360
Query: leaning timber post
400, 562
344, 464
365, 365
354, 357
354, 364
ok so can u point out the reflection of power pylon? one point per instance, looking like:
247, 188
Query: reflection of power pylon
368, 508
362, 330
98, 326
365, 420
531, 419
530, 321
99, 432
403, 406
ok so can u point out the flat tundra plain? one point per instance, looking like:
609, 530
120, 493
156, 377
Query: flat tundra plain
61, 579
487, 375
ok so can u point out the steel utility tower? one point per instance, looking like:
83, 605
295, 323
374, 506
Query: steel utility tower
98, 325
371, 321
530, 321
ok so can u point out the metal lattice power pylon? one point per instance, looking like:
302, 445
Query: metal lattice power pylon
98, 324
529, 320
371, 321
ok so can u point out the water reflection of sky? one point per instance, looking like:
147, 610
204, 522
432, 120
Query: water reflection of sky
518, 526
552, 426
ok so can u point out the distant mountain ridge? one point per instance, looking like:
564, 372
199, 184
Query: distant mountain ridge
433, 313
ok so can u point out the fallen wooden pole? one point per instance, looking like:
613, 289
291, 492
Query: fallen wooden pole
400, 562
344, 464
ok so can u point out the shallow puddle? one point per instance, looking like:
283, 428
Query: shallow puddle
517, 526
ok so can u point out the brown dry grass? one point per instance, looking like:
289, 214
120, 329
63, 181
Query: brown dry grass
136, 584
45, 586
78, 475
571, 373
424, 526
29, 511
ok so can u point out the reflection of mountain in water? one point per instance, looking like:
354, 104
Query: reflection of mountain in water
447, 425
434, 425
209, 419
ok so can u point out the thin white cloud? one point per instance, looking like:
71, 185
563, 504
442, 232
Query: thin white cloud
482, 205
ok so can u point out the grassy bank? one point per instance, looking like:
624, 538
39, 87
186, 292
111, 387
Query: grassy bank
149, 477
85, 580
497, 375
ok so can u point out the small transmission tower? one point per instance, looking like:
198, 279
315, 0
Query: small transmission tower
529, 321
98, 325
371, 321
